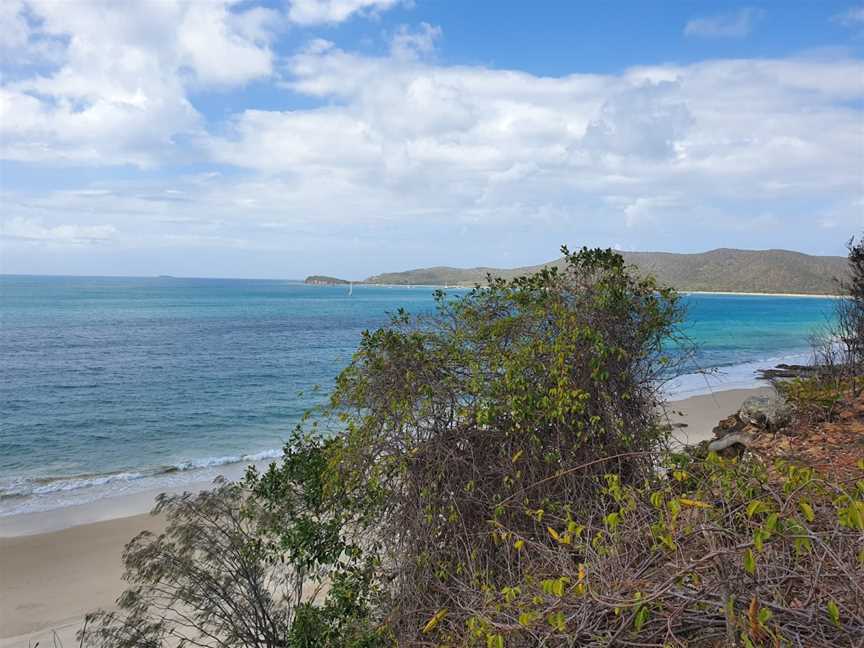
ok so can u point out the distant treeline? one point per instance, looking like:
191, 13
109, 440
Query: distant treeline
723, 270
325, 280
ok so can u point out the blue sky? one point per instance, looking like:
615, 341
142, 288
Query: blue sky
350, 137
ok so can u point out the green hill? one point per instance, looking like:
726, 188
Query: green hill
323, 280
722, 270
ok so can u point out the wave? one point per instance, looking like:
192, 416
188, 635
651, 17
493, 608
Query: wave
21, 487
732, 376
24, 486
212, 462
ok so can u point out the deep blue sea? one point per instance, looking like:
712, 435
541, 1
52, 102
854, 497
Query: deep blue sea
116, 385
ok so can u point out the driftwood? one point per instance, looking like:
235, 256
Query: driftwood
724, 442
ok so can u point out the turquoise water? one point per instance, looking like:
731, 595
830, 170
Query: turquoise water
112, 385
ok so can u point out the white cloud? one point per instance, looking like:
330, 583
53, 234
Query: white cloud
13, 25
646, 120
117, 92
223, 48
737, 24
316, 12
662, 147
400, 148
408, 43
34, 231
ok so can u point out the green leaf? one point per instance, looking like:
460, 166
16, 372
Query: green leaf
833, 612
432, 622
749, 562
527, 618
756, 506
771, 524
557, 620
757, 539
642, 615
495, 641
807, 510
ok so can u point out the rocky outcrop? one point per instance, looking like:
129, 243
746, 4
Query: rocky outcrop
783, 371
767, 412
757, 415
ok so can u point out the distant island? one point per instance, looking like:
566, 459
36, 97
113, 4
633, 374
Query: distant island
722, 270
322, 280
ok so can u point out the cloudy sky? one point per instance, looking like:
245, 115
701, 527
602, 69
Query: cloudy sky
348, 137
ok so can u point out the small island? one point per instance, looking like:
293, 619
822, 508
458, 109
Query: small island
322, 280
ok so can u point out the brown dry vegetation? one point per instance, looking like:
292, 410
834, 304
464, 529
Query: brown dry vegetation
833, 446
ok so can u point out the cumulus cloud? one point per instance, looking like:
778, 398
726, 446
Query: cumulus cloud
737, 24
400, 122
408, 43
116, 92
399, 147
316, 12
675, 148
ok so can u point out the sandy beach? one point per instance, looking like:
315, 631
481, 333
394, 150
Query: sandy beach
51, 578
698, 415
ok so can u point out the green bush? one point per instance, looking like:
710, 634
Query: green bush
490, 418
716, 552
818, 398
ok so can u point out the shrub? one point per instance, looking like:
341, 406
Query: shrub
203, 582
819, 397
714, 553
486, 422
260, 564
843, 353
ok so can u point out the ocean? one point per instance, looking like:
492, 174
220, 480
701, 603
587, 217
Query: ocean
120, 385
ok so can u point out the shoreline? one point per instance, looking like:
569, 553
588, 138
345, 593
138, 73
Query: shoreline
58, 565
730, 293
759, 294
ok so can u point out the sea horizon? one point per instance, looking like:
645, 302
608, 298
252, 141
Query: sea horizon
363, 282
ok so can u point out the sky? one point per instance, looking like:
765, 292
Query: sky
283, 138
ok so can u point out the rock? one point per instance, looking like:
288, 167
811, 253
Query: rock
782, 371
727, 426
742, 430
767, 412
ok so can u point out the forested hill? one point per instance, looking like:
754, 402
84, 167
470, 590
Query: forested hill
762, 271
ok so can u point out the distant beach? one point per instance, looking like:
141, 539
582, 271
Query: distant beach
758, 294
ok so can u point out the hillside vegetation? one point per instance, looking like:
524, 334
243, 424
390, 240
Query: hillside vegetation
768, 271
324, 280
